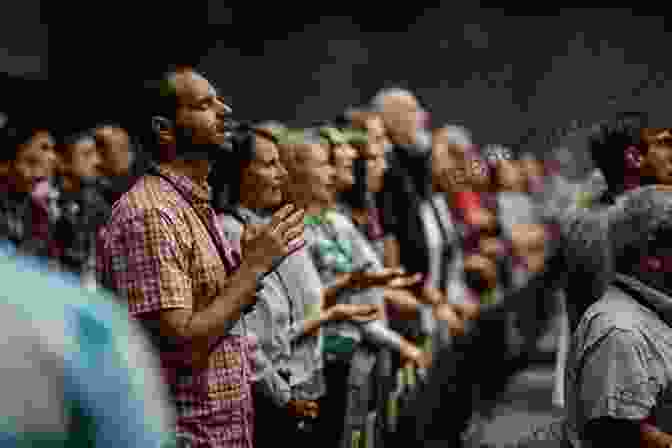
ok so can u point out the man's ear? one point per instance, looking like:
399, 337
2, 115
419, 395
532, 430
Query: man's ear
164, 129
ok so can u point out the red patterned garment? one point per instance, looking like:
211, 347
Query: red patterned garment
157, 254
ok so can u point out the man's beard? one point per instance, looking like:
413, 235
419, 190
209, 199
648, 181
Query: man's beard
186, 149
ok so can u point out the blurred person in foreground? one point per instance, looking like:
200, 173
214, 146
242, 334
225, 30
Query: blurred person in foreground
595, 240
631, 349
163, 251
288, 314
75, 371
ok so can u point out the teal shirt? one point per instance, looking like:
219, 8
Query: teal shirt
75, 371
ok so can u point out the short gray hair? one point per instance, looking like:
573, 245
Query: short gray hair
639, 217
379, 99
640, 234
455, 135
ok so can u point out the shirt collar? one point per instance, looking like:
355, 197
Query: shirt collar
192, 189
322, 218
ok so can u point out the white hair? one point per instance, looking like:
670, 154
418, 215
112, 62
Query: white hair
379, 100
456, 135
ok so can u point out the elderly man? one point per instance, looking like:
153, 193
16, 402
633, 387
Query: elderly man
164, 252
407, 180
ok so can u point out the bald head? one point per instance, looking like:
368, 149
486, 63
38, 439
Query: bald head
401, 113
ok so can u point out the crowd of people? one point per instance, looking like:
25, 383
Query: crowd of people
314, 285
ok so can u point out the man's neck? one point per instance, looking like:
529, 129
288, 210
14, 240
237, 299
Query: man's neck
197, 170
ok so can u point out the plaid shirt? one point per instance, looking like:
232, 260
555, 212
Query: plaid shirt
157, 253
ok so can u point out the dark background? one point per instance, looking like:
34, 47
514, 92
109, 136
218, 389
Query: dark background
501, 75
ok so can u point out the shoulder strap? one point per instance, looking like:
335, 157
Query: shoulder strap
220, 250
446, 247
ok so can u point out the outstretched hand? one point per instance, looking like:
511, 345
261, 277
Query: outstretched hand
355, 313
382, 278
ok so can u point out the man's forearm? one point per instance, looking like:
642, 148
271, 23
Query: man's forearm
331, 293
225, 311
403, 302
309, 326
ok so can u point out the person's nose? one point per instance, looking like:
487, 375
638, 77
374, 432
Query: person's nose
283, 174
97, 161
331, 173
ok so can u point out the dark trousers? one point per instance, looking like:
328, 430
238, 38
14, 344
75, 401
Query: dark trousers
273, 425
329, 426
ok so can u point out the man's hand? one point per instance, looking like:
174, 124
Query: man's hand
303, 408
262, 244
418, 358
447, 313
482, 268
491, 247
529, 243
430, 295
406, 281
382, 278
467, 310
355, 313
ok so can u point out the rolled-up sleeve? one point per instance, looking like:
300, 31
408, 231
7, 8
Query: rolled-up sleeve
143, 257
616, 379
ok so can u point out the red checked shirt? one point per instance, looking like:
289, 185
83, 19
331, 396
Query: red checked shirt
157, 253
